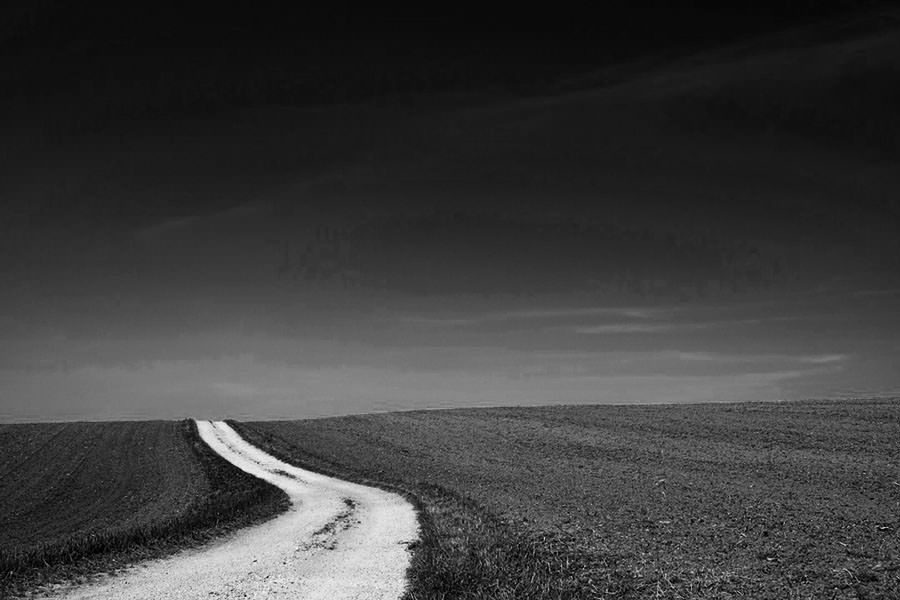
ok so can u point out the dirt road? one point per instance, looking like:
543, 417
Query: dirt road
338, 540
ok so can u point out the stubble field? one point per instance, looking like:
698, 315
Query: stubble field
786, 500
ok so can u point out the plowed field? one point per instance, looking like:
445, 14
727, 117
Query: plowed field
80, 498
786, 500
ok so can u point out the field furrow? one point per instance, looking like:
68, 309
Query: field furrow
21, 442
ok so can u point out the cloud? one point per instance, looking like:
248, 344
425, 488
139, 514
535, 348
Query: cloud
885, 292
625, 328
154, 233
242, 388
822, 359
168, 226
536, 314
675, 326
435, 321
617, 319
631, 312
807, 359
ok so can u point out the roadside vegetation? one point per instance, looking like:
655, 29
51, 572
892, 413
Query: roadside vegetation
782, 500
81, 499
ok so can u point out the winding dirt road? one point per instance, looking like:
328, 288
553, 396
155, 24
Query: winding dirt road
339, 540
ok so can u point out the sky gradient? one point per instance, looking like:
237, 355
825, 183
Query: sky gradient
680, 236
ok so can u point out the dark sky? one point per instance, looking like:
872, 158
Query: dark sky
270, 214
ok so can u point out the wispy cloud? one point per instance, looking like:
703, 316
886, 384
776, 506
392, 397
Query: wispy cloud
807, 359
537, 314
243, 388
549, 313
625, 328
885, 292
434, 321
823, 359
170, 226
616, 328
